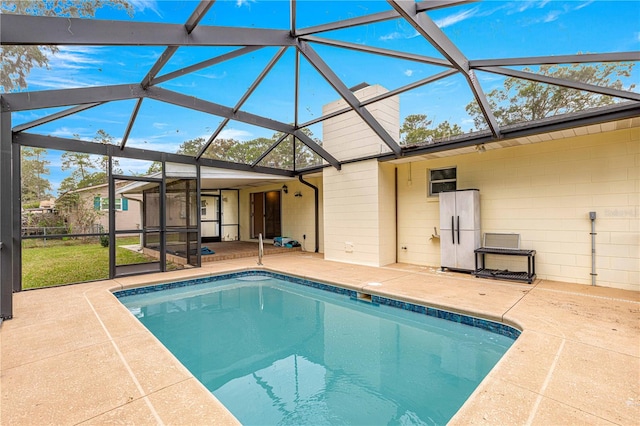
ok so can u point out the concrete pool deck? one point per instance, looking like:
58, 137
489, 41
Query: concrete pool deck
75, 355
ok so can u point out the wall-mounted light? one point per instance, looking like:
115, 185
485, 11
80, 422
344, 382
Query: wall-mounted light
480, 148
285, 189
298, 194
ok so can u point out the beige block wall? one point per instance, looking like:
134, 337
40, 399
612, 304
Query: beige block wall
359, 213
544, 192
347, 136
297, 213
230, 216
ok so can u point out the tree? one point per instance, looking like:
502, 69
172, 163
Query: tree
87, 171
416, 129
246, 152
17, 61
34, 187
523, 100
103, 163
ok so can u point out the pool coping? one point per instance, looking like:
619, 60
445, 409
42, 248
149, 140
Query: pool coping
468, 319
567, 364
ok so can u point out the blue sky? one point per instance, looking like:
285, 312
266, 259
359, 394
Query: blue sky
481, 30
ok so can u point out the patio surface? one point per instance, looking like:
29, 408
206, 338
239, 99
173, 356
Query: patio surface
75, 355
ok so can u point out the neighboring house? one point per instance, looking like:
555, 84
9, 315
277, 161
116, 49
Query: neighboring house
91, 211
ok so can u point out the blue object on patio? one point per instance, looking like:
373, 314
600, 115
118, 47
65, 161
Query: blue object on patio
206, 250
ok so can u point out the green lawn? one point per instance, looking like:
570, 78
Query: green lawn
71, 261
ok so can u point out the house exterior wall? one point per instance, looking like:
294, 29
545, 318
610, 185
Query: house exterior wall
359, 213
230, 216
544, 192
347, 136
129, 219
297, 213
359, 204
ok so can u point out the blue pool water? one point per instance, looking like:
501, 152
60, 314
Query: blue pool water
277, 352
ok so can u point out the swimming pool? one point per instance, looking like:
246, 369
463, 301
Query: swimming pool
274, 351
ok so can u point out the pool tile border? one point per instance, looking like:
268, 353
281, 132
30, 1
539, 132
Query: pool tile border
491, 326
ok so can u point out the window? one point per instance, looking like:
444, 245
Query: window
441, 180
102, 203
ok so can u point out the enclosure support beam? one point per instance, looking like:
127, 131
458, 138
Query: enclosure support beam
112, 221
6, 218
624, 94
585, 58
132, 120
271, 148
428, 29
23, 101
383, 96
19, 30
379, 51
205, 64
52, 142
346, 94
243, 99
55, 116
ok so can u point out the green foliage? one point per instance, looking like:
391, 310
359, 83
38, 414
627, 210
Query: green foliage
104, 240
87, 170
155, 167
34, 187
16, 62
246, 152
31, 205
417, 129
63, 262
522, 100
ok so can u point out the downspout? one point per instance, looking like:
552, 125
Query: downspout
396, 206
315, 190
592, 216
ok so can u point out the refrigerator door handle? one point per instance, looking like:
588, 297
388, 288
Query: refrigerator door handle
453, 231
458, 229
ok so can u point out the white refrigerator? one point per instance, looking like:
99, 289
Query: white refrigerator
459, 229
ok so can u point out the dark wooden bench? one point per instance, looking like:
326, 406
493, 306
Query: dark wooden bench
505, 245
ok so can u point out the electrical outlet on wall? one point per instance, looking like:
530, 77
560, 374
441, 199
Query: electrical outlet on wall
348, 247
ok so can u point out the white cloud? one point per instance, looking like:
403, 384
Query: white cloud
408, 73
76, 58
160, 125
54, 83
240, 3
585, 4
391, 36
212, 76
399, 36
235, 134
156, 142
66, 132
134, 166
142, 5
551, 16
456, 17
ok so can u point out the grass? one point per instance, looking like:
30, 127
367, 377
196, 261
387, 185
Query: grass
72, 261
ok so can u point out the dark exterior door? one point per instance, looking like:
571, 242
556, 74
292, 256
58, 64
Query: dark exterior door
266, 214
257, 213
272, 214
